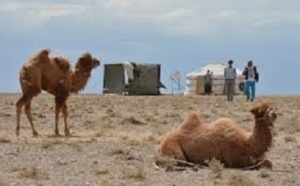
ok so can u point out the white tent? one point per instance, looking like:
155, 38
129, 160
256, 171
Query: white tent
195, 80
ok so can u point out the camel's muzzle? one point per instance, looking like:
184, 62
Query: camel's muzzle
96, 63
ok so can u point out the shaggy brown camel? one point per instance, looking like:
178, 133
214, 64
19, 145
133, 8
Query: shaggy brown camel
55, 76
197, 142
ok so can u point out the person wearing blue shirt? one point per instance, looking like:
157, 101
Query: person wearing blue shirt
251, 78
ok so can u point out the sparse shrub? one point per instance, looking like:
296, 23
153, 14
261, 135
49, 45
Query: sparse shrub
117, 151
150, 138
49, 143
164, 161
4, 139
100, 134
165, 122
31, 173
264, 173
131, 120
101, 172
76, 146
133, 142
216, 168
240, 180
124, 137
137, 173
103, 133
91, 140
2, 183
110, 113
290, 139
293, 126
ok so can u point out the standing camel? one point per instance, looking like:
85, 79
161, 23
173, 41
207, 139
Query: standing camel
55, 76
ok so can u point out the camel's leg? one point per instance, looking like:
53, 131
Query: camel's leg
29, 117
173, 149
57, 111
60, 102
66, 114
20, 103
30, 80
19, 106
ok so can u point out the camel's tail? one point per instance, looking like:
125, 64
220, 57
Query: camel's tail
25, 80
192, 121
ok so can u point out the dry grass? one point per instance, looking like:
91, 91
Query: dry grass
30, 173
264, 173
240, 180
133, 142
76, 145
292, 126
216, 168
290, 138
151, 138
101, 172
103, 133
46, 144
2, 183
4, 139
115, 141
136, 173
131, 120
163, 161
117, 151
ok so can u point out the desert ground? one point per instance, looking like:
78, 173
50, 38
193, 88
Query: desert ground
114, 142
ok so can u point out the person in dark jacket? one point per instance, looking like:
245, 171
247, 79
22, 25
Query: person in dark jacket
208, 83
251, 78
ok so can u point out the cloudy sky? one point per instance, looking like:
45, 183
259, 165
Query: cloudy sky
180, 35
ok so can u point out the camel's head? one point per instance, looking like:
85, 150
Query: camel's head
86, 63
264, 110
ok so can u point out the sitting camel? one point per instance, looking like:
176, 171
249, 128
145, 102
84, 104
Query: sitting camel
196, 142
55, 76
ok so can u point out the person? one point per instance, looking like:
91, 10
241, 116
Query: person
251, 77
229, 76
208, 82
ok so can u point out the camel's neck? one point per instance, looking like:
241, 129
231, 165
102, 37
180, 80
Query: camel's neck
261, 138
79, 80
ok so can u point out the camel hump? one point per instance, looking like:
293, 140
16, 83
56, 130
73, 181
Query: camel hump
41, 57
43, 53
192, 121
63, 63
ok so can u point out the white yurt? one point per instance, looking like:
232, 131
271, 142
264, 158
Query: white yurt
195, 80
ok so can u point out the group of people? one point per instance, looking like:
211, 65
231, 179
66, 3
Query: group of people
251, 78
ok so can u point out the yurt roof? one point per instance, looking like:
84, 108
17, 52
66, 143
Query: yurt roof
216, 68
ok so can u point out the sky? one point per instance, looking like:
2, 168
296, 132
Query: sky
180, 35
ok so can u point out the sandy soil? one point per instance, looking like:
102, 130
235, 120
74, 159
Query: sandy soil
115, 138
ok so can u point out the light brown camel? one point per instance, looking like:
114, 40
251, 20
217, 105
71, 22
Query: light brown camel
197, 142
55, 76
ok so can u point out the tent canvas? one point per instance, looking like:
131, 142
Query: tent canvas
195, 80
132, 78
